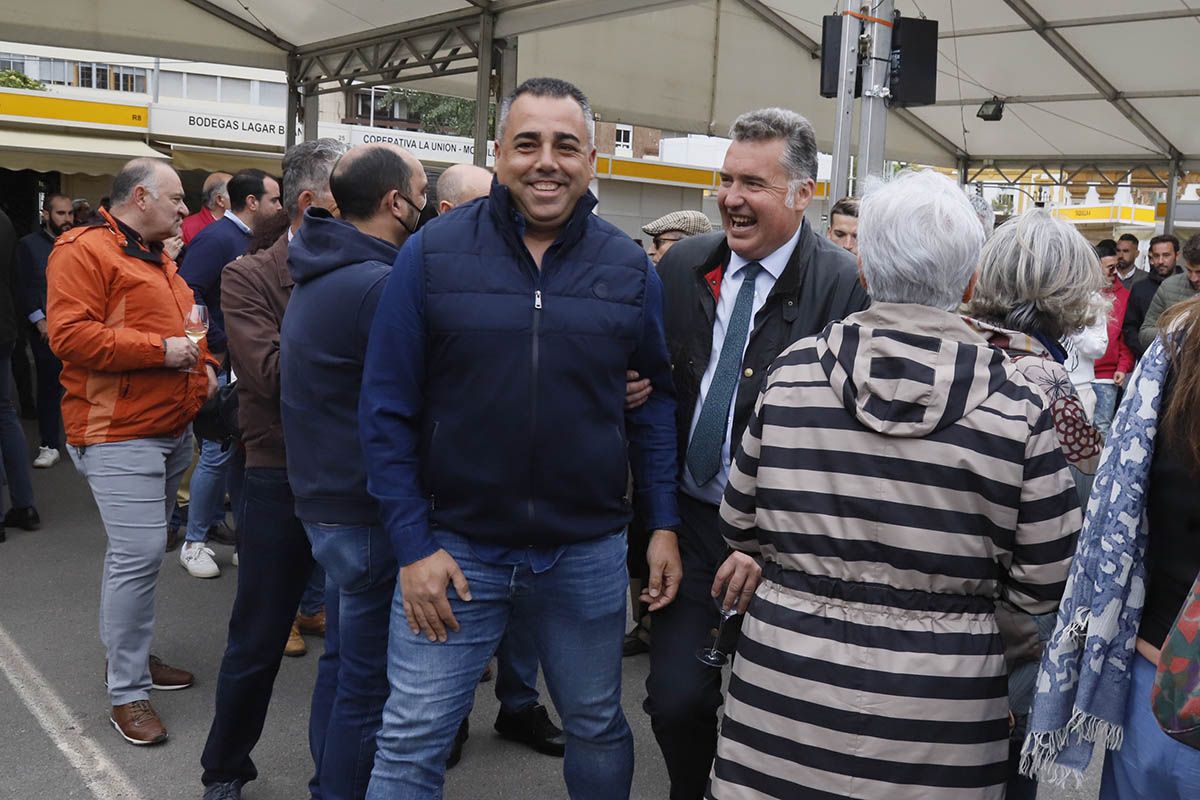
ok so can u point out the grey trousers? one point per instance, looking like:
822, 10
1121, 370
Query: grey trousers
134, 484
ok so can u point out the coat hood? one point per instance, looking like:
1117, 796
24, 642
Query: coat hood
908, 370
324, 244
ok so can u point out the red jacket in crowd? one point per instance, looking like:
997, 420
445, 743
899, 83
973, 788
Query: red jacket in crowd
1118, 357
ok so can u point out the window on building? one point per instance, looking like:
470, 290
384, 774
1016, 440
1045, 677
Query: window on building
235, 90
397, 109
202, 87
55, 70
273, 95
170, 84
129, 79
13, 62
623, 141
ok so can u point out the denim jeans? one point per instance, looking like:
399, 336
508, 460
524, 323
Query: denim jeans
1106, 406
359, 560
517, 669
275, 568
576, 613
49, 391
217, 472
13, 448
1149, 764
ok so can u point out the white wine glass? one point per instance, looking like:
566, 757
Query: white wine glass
195, 327
713, 656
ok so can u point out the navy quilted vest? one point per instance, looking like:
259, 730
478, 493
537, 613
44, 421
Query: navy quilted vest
524, 433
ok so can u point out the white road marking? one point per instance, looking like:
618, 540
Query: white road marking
102, 777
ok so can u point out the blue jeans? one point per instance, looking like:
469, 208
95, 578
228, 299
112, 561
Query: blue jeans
1149, 764
217, 472
359, 560
1106, 406
276, 566
49, 391
13, 447
575, 612
517, 669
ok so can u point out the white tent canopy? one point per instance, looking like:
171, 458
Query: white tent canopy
1097, 81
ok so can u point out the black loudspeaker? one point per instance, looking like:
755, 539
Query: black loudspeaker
914, 62
831, 42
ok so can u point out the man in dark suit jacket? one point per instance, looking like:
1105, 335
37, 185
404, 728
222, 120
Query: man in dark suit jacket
733, 301
13, 448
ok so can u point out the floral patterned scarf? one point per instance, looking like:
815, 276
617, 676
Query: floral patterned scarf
1083, 683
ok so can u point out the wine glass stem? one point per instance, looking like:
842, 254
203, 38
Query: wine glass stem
716, 646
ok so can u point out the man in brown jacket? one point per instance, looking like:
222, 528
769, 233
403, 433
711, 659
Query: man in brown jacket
275, 558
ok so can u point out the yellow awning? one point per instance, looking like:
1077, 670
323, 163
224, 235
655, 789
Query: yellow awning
221, 159
51, 151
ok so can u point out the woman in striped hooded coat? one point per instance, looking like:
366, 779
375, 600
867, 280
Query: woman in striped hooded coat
899, 477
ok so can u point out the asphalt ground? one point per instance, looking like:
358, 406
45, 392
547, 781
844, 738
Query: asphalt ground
56, 742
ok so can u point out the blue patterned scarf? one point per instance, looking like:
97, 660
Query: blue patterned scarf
1083, 683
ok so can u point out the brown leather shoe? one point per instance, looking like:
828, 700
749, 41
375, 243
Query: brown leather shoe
311, 624
166, 678
137, 723
295, 644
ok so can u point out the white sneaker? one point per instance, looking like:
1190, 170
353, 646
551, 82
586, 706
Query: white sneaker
198, 560
46, 457
235, 558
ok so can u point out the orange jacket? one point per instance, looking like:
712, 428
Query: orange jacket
109, 305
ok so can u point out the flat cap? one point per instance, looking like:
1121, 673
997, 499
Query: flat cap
690, 223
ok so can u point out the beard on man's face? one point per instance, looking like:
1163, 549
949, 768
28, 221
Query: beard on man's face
57, 230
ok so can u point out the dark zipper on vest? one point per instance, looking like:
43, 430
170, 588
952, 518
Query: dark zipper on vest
533, 404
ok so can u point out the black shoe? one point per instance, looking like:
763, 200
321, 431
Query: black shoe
222, 534
460, 738
3, 535
532, 726
226, 790
25, 518
173, 538
634, 644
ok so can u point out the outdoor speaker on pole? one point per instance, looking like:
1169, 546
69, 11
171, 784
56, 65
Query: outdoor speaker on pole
914, 60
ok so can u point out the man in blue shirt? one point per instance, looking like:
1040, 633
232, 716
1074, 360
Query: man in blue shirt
253, 200
497, 443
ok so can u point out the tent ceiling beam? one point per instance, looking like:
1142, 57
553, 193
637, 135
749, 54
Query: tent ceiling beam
242, 24
1083, 22
1084, 67
1166, 94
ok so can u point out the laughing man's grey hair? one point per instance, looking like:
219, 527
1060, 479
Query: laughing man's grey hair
135, 173
306, 167
547, 87
918, 240
1037, 274
800, 150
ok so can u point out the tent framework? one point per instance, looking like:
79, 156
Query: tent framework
1078, 95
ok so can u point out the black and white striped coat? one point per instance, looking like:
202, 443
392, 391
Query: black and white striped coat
898, 476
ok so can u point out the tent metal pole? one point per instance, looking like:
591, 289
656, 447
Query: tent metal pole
312, 116
872, 115
847, 74
1172, 195
483, 86
293, 101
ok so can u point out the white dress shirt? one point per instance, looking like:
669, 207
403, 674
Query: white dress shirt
731, 283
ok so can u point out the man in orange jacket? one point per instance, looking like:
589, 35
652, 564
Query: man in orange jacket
132, 382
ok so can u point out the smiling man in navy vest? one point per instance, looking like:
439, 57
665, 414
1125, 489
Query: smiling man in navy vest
497, 444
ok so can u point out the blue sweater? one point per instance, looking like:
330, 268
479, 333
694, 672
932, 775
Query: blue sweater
205, 257
340, 273
493, 395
